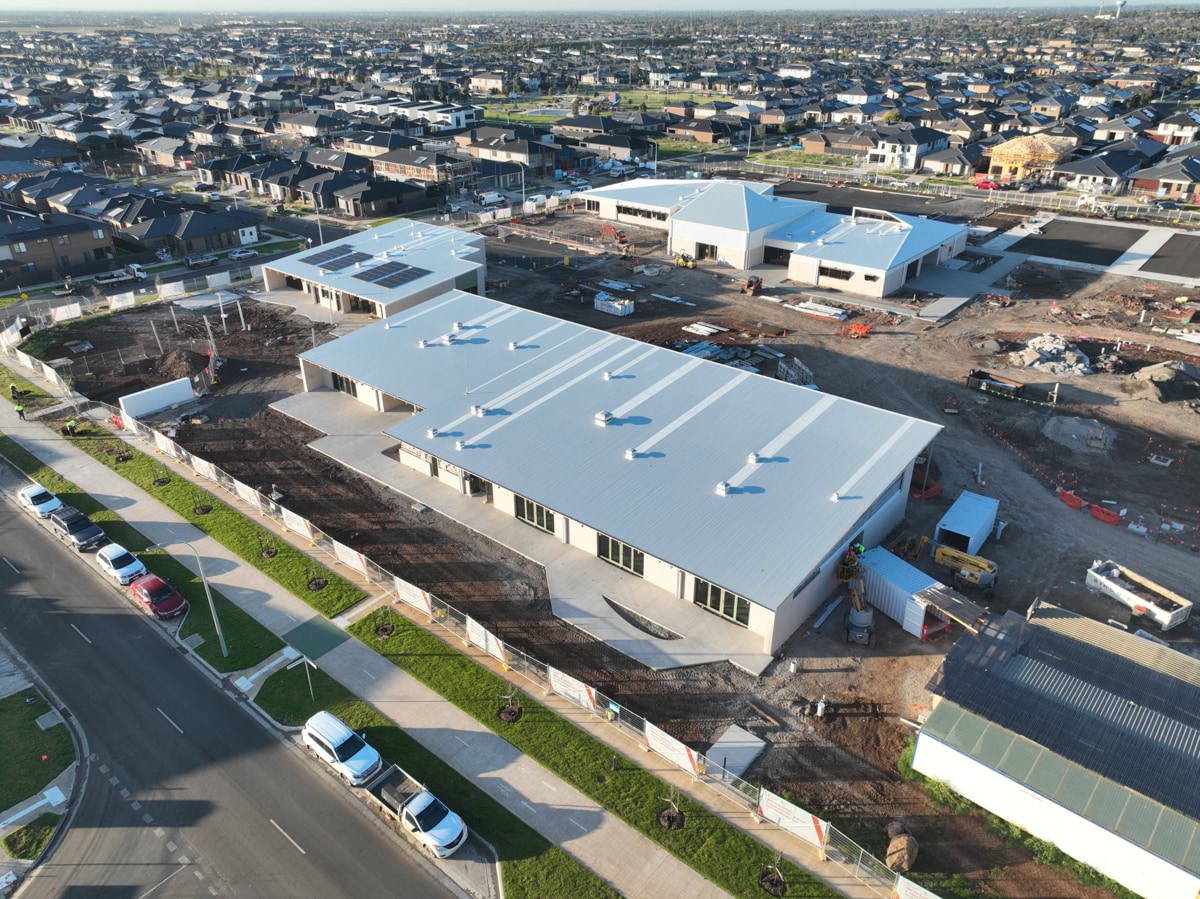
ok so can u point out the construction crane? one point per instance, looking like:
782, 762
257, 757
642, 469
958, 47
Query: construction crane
973, 571
860, 617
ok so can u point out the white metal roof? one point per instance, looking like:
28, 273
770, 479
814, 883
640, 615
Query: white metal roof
443, 254
540, 382
859, 240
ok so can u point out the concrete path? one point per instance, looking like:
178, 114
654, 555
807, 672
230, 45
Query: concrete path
633, 864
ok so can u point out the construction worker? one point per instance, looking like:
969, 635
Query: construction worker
20, 411
71, 428
859, 549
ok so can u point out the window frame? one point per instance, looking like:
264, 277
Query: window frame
620, 555
721, 602
533, 514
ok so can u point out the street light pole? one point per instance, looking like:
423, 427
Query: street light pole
207, 592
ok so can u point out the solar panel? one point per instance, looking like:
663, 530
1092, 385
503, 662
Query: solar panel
342, 262
325, 255
380, 271
411, 273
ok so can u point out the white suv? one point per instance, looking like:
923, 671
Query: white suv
347, 753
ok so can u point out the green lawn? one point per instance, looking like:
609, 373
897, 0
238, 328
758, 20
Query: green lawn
532, 867
248, 641
800, 158
716, 849
27, 842
289, 568
31, 396
29, 757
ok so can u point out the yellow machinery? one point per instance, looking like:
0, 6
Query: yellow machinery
683, 260
860, 617
970, 570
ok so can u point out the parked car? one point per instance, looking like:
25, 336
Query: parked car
347, 753
199, 185
119, 563
75, 528
213, 195
440, 831
1026, 187
158, 597
38, 500
202, 260
242, 253
1167, 204
987, 185
156, 192
163, 254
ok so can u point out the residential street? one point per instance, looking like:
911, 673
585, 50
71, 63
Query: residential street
186, 794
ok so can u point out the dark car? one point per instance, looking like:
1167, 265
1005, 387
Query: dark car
201, 261
158, 597
75, 528
1167, 204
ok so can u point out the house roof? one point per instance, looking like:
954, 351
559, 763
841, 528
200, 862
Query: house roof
876, 239
541, 381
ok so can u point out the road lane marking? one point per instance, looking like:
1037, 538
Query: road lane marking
12, 566
161, 882
169, 721
369, 674
577, 824
461, 740
289, 838
81, 633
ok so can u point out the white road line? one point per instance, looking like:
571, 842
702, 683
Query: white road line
553, 789
369, 674
12, 566
527, 805
577, 824
169, 721
289, 839
161, 882
461, 740
81, 633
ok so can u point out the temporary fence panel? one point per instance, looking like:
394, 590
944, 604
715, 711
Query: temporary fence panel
66, 313
569, 688
51, 375
483, 638
218, 279
204, 468
173, 289
163, 443
791, 818
294, 522
906, 889
671, 749
122, 301
12, 334
245, 493
843, 851
348, 556
28, 361
414, 596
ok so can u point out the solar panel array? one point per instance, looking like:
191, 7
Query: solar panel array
325, 255
346, 261
379, 271
409, 273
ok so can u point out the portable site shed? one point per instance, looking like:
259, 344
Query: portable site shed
921, 604
967, 523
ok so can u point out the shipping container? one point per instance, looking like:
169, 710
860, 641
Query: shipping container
967, 523
897, 589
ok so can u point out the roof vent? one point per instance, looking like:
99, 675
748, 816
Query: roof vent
448, 340
457, 326
836, 497
752, 459
723, 488
608, 376
512, 344
478, 411
631, 453
820, 241
422, 344
431, 433
458, 445
603, 418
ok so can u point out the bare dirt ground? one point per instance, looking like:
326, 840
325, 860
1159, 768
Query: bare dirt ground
843, 767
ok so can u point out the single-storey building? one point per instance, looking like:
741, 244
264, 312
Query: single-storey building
743, 224
723, 488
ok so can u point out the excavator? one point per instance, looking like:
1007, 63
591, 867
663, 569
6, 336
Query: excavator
860, 617
968, 570
610, 231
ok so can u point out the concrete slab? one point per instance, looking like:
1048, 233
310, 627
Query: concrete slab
193, 641
1180, 256
735, 750
316, 637
1075, 240
585, 591
12, 679
48, 720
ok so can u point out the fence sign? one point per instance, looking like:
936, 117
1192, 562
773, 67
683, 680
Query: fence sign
121, 301
791, 818
51, 375
164, 443
174, 289
12, 334
294, 522
245, 492
906, 889
485, 640
218, 279
27, 360
66, 313
569, 688
413, 596
347, 556
204, 468
671, 749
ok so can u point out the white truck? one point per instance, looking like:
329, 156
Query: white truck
131, 272
1144, 597
401, 799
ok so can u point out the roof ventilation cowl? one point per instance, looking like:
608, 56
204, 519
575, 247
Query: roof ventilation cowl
431, 433
723, 488
457, 326
631, 453
603, 418
448, 340
478, 411
752, 459
422, 344
458, 445
512, 344
608, 376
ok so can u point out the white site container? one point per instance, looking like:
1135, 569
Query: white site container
895, 587
605, 302
967, 523
1164, 607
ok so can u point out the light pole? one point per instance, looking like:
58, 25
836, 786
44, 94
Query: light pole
522, 165
207, 592
317, 207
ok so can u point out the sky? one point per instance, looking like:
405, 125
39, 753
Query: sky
347, 7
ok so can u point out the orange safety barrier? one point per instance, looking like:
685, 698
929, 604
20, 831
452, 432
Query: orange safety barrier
1070, 499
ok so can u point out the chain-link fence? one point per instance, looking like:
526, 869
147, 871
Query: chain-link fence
844, 852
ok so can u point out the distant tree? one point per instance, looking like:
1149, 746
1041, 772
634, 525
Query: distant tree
642, 107
892, 116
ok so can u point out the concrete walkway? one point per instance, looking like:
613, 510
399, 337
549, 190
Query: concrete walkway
633, 864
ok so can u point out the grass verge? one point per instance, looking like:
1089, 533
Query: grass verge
289, 567
27, 842
29, 394
29, 757
248, 641
716, 849
531, 866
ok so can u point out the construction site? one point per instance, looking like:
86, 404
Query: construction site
1061, 393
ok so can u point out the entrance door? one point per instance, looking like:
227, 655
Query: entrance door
477, 486
706, 251
358, 304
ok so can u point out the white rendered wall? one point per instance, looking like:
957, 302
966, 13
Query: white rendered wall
155, 399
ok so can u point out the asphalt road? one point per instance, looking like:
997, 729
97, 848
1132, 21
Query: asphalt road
187, 795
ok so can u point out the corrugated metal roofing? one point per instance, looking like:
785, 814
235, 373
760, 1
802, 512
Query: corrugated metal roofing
964, 516
863, 240
540, 381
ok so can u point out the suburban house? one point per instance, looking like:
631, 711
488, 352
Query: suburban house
422, 165
35, 249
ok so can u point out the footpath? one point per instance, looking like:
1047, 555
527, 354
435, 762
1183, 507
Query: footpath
598, 839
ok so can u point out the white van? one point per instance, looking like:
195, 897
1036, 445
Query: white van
563, 193
537, 199
488, 197
347, 753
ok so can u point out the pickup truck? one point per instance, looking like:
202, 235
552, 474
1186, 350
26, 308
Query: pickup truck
120, 276
402, 799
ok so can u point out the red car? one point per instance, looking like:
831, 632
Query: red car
987, 185
160, 598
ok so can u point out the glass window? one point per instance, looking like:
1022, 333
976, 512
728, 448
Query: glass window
533, 514
617, 553
721, 602
99, 234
